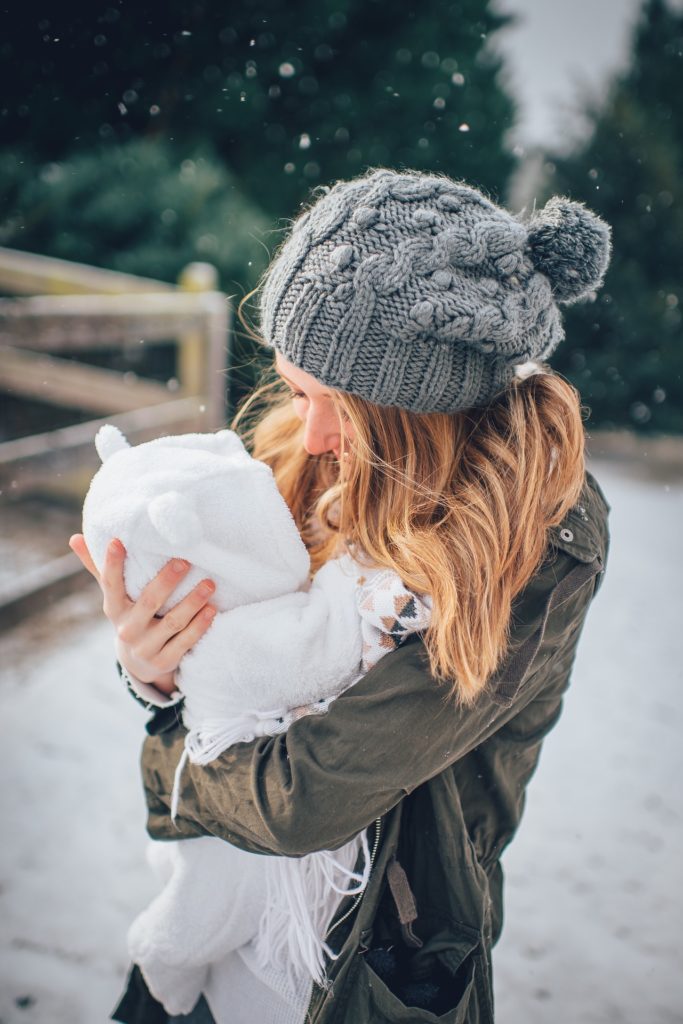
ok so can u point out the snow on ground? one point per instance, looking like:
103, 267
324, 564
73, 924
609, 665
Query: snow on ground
594, 897
72, 867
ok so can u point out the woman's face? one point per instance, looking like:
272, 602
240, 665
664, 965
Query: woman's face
315, 407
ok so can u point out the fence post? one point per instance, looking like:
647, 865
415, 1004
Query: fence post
192, 359
218, 326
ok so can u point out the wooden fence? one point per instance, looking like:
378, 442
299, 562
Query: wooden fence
58, 309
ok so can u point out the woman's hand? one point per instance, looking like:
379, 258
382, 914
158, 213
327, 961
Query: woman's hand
149, 648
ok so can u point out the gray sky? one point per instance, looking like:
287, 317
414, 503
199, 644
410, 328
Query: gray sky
556, 52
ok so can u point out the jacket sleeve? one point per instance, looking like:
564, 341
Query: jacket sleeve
146, 694
328, 777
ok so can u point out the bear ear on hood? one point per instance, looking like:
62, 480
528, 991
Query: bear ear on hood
175, 518
109, 440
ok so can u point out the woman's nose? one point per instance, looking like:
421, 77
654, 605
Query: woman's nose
321, 432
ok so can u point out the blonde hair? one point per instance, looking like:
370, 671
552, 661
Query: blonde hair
458, 505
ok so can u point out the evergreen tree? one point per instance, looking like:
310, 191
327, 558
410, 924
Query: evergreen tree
625, 351
137, 208
288, 95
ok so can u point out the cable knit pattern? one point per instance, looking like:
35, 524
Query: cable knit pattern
413, 290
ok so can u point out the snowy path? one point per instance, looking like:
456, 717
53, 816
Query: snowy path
594, 897
72, 868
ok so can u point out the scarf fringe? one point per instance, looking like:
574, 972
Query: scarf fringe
303, 896
303, 892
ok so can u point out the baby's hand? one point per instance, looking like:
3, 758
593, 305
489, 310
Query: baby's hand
148, 647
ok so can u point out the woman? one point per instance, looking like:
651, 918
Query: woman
410, 318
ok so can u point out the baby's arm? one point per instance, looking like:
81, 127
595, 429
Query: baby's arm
278, 654
188, 927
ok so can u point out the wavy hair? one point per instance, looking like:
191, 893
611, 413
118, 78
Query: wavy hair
459, 505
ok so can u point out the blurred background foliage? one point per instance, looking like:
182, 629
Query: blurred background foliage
142, 136
288, 95
136, 207
625, 351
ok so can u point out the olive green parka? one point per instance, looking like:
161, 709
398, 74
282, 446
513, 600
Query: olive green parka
441, 787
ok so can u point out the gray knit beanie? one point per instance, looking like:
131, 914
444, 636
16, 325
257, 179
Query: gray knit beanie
413, 290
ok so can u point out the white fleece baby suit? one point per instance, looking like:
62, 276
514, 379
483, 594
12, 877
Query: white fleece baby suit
279, 647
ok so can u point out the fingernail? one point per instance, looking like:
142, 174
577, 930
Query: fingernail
179, 565
116, 547
206, 587
209, 612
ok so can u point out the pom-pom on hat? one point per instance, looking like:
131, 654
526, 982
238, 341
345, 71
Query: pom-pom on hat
414, 290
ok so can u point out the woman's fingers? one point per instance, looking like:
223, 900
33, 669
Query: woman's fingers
180, 644
177, 620
155, 652
78, 546
151, 646
116, 601
153, 597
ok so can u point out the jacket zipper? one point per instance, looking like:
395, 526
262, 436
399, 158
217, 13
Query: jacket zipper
359, 897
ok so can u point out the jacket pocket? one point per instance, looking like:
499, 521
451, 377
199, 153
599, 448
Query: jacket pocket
450, 985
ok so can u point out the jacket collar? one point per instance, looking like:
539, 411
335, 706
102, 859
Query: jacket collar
581, 532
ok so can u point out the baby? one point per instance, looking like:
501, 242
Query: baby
281, 645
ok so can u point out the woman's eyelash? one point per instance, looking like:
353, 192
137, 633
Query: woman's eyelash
300, 394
